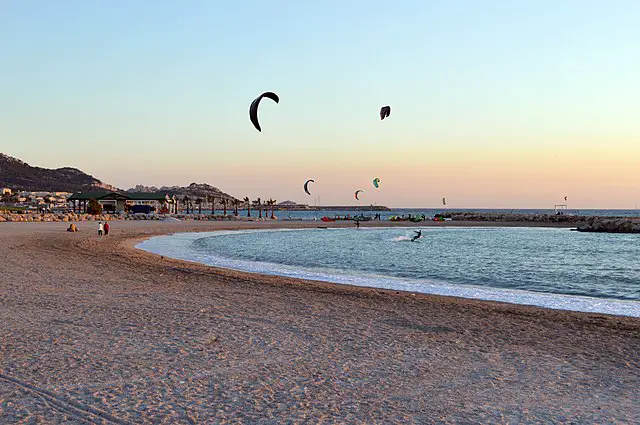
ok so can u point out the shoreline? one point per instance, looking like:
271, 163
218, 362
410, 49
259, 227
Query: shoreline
105, 327
546, 300
311, 285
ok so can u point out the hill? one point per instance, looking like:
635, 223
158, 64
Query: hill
193, 191
17, 174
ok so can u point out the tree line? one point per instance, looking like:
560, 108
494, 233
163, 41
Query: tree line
226, 204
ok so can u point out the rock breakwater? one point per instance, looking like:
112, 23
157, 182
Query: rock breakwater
73, 217
583, 223
611, 225
506, 217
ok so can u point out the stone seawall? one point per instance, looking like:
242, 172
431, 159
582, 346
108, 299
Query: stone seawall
530, 218
611, 225
583, 223
72, 217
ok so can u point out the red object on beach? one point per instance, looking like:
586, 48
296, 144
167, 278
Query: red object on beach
326, 219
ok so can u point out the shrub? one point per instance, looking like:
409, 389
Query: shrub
94, 207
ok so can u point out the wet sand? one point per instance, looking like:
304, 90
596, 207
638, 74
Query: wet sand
94, 331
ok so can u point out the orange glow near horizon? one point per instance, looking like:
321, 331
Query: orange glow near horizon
492, 107
468, 178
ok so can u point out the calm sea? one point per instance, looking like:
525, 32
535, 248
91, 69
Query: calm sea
430, 212
553, 268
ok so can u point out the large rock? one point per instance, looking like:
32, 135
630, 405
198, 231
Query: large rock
617, 225
584, 223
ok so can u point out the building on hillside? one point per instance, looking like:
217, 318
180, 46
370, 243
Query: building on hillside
5, 191
286, 204
290, 205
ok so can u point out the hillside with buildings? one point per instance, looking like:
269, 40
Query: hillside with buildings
193, 191
18, 175
26, 186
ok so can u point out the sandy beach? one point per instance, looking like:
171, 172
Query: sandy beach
95, 331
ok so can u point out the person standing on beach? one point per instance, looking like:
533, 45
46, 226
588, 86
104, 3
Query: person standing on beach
106, 228
100, 229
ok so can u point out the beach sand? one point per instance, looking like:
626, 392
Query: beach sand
94, 331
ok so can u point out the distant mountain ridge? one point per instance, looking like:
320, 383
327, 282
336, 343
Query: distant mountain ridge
193, 191
17, 174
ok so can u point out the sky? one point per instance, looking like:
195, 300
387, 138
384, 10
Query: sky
494, 104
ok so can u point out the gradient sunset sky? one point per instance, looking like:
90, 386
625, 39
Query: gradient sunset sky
498, 104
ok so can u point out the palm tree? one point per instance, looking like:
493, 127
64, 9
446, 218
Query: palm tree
246, 201
266, 208
186, 201
272, 203
169, 204
258, 203
266, 204
236, 204
225, 201
212, 201
199, 204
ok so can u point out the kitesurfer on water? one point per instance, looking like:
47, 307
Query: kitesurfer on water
418, 235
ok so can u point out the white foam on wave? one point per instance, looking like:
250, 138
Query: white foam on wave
178, 246
401, 238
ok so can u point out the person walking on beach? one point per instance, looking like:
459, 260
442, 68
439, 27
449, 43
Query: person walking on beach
106, 228
100, 228
357, 224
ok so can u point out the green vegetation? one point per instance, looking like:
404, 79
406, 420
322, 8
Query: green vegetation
94, 207
12, 209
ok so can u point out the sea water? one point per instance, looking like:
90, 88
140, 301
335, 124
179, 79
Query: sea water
428, 212
547, 267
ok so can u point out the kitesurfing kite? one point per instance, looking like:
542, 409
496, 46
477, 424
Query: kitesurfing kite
253, 109
306, 186
356, 194
444, 201
385, 111
376, 182
565, 198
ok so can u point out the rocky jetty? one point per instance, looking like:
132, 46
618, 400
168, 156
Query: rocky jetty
10, 217
610, 225
505, 217
69, 217
583, 223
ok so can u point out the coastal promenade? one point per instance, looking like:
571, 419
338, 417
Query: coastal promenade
94, 331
